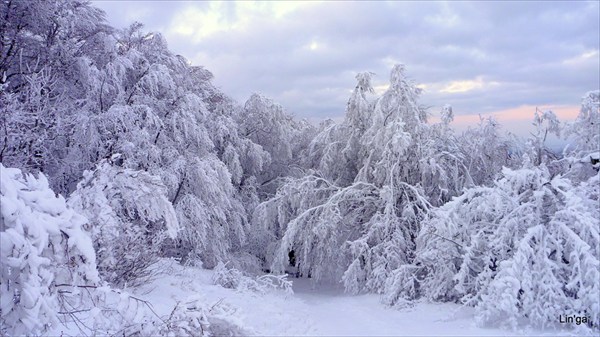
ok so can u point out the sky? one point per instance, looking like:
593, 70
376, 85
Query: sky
499, 59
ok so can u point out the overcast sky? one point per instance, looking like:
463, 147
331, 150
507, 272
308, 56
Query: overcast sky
499, 58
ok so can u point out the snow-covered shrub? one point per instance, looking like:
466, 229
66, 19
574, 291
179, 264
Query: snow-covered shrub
129, 218
192, 318
232, 278
186, 319
47, 260
526, 247
227, 277
118, 313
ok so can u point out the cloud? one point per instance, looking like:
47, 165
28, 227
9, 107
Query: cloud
227, 19
196, 23
480, 57
588, 57
467, 85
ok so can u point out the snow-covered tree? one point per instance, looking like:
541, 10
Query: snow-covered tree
212, 220
356, 218
43, 45
271, 218
325, 153
504, 247
556, 264
545, 122
585, 129
130, 218
150, 148
48, 267
78, 91
267, 124
486, 151
38, 35
48, 264
336, 151
582, 157
444, 171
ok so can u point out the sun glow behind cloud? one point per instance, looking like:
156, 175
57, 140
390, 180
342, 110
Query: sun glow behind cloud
467, 85
197, 24
201, 20
589, 56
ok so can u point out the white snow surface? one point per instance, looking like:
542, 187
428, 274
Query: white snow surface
315, 311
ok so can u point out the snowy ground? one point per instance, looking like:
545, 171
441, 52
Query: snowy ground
323, 311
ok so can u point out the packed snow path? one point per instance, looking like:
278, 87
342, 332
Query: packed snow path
314, 311
334, 313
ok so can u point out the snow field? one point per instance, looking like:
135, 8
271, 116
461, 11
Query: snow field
316, 311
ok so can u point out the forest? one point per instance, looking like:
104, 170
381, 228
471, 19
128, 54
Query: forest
117, 155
